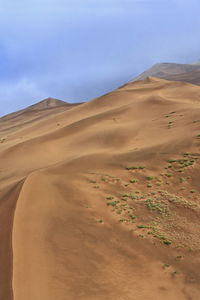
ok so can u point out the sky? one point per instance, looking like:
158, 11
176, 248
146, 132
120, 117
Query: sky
77, 50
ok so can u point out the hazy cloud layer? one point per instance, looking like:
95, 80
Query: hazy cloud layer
77, 50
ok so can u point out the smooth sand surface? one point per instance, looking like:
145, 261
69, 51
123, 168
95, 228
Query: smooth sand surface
75, 223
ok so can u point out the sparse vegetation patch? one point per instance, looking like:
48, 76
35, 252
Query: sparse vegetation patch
135, 168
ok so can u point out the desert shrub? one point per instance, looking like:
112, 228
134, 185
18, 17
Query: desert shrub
150, 177
110, 198
167, 242
172, 160
134, 180
113, 203
135, 168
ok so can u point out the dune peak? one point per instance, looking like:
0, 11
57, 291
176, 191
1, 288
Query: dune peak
47, 103
151, 79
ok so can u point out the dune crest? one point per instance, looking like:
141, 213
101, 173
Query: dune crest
47, 103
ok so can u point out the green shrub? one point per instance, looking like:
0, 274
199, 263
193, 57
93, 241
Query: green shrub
113, 203
182, 179
124, 220
125, 195
150, 177
142, 226
149, 185
110, 198
132, 216
100, 221
169, 174
172, 160
135, 168
193, 191
167, 242
93, 181
134, 180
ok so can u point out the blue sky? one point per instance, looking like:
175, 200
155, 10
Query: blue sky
76, 50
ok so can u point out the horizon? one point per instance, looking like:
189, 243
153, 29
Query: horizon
37, 101
68, 102
89, 49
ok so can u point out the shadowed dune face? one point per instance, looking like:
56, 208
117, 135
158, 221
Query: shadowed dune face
101, 201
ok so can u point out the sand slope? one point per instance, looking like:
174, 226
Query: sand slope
90, 206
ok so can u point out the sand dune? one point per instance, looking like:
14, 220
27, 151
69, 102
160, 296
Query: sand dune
102, 200
171, 71
41, 110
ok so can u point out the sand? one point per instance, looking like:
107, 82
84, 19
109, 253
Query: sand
76, 223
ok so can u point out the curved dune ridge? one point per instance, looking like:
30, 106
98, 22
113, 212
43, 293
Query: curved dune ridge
102, 200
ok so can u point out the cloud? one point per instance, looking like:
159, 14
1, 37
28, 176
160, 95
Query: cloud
22, 91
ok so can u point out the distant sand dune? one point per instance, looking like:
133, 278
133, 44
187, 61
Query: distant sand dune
171, 71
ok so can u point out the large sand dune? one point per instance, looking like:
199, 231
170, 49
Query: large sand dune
102, 201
